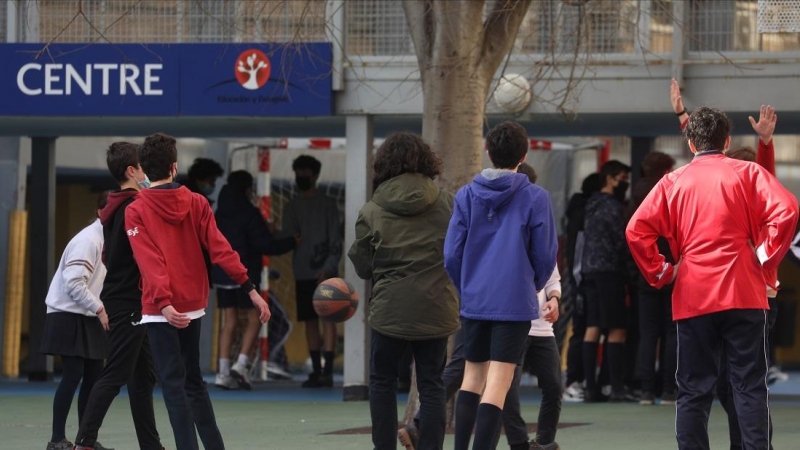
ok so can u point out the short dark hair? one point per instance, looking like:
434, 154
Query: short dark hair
203, 169
507, 144
120, 156
612, 169
657, 164
240, 181
528, 170
592, 184
404, 153
307, 162
708, 129
157, 154
743, 153
102, 200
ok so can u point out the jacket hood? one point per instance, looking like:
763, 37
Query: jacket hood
232, 203
115, 200
495, 187
409, 194
171, 204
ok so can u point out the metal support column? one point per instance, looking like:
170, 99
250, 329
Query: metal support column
41, 231
358, 190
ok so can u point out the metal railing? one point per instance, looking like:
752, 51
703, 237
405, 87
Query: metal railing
379, 28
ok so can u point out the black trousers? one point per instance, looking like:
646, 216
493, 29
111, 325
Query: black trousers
130, 362
725, 392
575, 349
655, 322
177, 356
544, 354
741, 334
429, 358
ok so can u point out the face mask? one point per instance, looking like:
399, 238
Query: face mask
621, 190
303, 183
144, 184
206, 190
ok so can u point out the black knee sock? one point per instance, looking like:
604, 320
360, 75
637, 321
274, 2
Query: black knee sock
466, 412
315, 361
329, 357
590, 365
616, 366
486, 426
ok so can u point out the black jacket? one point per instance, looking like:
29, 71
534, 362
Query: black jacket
245, 228
121, 290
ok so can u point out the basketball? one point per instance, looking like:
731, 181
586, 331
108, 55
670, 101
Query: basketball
335, 300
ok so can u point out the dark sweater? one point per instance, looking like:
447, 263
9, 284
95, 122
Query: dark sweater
121, 287
245, 228
605, 249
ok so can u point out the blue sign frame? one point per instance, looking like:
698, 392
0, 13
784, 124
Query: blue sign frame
186, 80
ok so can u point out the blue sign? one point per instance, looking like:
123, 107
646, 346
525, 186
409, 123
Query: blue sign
166, 80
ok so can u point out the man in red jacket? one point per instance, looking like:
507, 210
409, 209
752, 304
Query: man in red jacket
169, 227
712, 212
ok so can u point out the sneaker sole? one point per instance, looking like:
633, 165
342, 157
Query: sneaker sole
243, 383
647, 402
572, 399
405, 439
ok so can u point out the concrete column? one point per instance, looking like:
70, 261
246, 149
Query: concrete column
9, 189
41, 232
640, 147
358, 190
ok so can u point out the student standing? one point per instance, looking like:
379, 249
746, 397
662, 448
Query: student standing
712, 212
130, 360
399, 246
500, 251
169, 227
75, 324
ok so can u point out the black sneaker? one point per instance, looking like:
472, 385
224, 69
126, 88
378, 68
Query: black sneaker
551, 446
594, 397
312, 381
622, 397
408, 437
647, 399
326, 381
668, 398
64, 444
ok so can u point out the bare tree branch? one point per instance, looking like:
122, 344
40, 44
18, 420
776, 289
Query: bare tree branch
499, 32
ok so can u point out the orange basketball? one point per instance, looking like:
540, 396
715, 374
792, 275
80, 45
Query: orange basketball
335, 300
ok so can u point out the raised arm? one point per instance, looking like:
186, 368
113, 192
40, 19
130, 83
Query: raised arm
677, 103
765, 128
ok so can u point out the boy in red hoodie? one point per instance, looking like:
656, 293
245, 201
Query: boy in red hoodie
169, 227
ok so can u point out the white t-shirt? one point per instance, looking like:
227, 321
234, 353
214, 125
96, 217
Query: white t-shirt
160, 318
541, 327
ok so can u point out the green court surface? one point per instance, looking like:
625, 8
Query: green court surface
286, 417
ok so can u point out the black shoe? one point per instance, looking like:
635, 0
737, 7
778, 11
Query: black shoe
326, 380
408, 437
622, 397
312, 381
551, 446
594, 397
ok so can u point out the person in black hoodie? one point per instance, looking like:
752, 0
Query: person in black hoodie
655, 305
130, 360
245, 228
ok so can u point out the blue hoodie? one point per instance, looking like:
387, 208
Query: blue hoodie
501, 246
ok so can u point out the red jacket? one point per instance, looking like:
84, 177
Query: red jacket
168, 228
713, 212
765, 157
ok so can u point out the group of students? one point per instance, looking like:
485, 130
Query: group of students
130, 289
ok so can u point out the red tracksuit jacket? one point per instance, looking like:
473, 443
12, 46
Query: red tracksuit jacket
726, 221
167, 229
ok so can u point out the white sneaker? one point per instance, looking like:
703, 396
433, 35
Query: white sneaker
775, 374
226, 382
277, 372
573, 393
239, 373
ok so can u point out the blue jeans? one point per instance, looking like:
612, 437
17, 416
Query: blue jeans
177, 356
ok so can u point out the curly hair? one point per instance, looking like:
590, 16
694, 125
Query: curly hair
743, 153
657, 164
157, 154
507, 144
404, 153
708, 129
